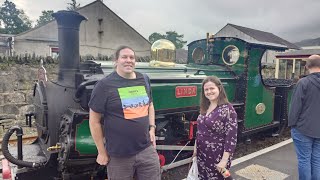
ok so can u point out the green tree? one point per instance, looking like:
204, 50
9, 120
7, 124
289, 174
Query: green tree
176, 39
45, 17
13, 20
173, 36
73, 6
155, 36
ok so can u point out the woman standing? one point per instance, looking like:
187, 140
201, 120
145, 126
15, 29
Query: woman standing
217, 130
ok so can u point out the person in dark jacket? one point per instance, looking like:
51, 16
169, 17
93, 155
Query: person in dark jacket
304, 120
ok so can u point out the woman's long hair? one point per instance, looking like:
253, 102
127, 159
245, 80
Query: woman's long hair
204, 101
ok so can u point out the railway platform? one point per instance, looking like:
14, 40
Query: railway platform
277, 162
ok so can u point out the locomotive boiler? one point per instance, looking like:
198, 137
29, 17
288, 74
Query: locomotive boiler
65, 149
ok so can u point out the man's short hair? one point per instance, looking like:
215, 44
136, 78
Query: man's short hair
313, 61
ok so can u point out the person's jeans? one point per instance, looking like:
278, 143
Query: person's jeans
144, 166
308, 154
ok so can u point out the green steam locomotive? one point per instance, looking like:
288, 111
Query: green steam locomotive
64, 148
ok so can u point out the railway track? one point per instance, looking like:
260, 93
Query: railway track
27, 139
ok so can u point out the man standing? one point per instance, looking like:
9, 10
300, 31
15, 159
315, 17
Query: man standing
304, 120
126, 142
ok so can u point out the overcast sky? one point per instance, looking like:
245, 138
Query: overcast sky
293, 20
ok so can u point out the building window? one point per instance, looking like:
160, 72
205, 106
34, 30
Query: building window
54, 52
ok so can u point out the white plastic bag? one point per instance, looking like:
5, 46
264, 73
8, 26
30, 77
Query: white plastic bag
193, 172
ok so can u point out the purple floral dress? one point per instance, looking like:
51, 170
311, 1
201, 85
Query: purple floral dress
216, 133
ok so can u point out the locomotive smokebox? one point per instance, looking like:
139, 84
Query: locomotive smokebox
68, 35
53, 99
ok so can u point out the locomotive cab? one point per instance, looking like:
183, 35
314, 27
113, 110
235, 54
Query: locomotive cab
254, 101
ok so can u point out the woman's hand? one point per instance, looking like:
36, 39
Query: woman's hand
221, 165
194, 149
194, 153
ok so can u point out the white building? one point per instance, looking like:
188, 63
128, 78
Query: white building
100, 35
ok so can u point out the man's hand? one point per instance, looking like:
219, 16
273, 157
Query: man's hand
153, 137
102, 159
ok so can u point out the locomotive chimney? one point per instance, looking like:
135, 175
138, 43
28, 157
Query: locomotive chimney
68, 35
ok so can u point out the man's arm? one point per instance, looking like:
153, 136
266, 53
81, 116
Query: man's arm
97, 135
296, 104
152, 130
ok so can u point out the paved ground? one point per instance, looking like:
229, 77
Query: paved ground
277, 162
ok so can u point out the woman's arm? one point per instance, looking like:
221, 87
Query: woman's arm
231, 129
224, 161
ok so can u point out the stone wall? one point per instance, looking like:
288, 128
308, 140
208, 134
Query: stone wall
16, 89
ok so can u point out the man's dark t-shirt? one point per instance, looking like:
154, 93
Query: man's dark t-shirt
124, 104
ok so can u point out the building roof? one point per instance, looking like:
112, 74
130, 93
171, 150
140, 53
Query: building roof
303, 53
97, 1
264, 37
7, 35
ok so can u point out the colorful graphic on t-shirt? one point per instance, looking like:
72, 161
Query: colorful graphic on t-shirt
135, 101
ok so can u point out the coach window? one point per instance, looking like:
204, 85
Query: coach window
303, 69
198, 55
291, 68
289, 72
230, 55
297, 68
282, 69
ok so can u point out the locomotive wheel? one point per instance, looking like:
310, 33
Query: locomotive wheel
63, 139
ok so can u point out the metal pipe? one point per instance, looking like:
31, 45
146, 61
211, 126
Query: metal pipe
68, 35
19, 134
175, 148
6, 152
177, 164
